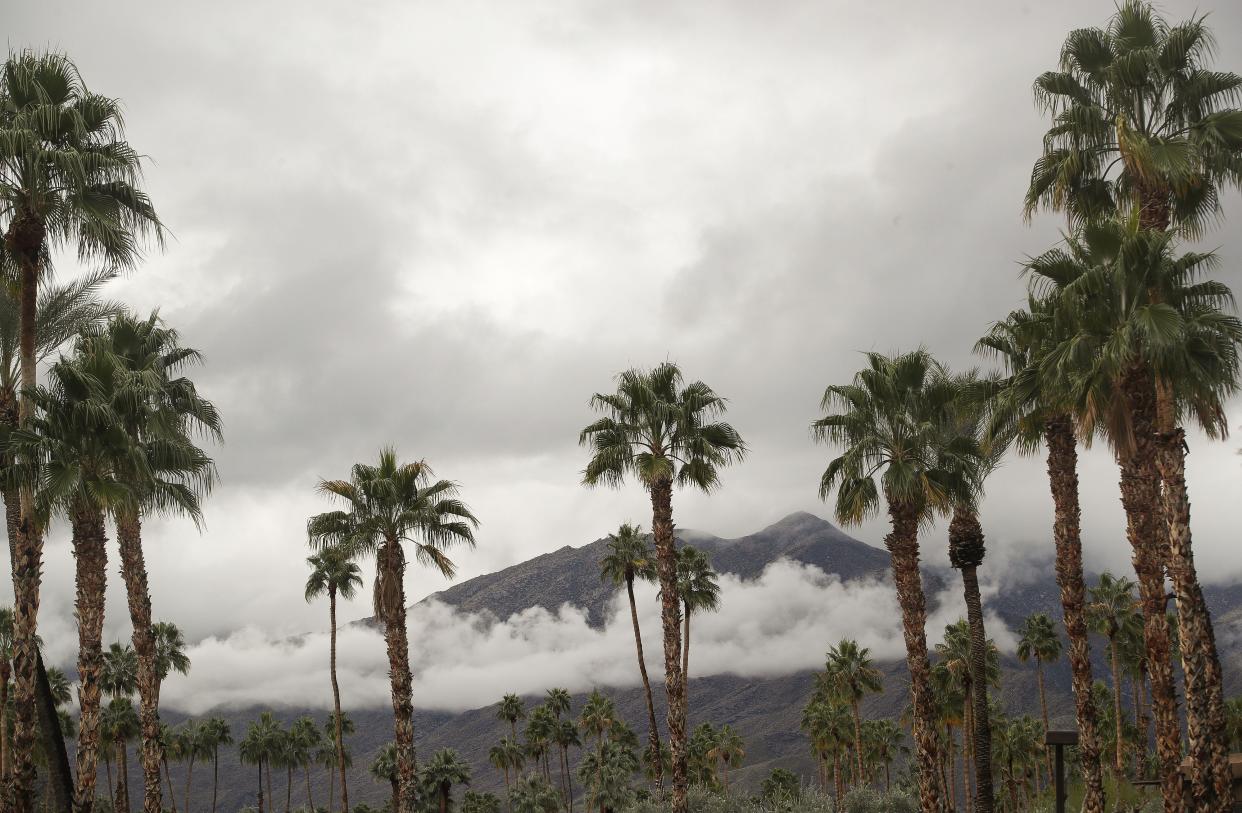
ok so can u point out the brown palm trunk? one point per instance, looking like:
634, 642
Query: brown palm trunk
121, 805
1211, 780
336, 705
5, 673
396, 794
838, 784
1140, 497
215, 776
392, 604
288, 788
172, 796
654, 735
857, 734
670, 616
25, 239
950, 767
91, 564
260, 767
982, 734
1043, 707
189, 778
134, 572
1119, 741
1063, 481
685, 661
902, 543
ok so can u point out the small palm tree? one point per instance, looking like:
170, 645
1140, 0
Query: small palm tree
384, 769
890, 424
216, 732
851, 675
699, 592
533, 794
1038, 641
662, 432
305, 739
259, 747
392, 505
475, 802
730, 750
1114, 613
442, 772
332, 573
119, 679
630, 558
120, 721
566, 736
826, 721
511, 710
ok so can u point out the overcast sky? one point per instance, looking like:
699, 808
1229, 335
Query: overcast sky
442, 226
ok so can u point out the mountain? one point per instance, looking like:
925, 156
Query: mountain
766, 711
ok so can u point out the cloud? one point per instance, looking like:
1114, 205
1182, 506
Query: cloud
780, 623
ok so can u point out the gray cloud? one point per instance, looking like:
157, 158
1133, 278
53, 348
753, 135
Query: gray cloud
444, 227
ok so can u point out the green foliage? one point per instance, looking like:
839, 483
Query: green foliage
863, 800
782, 784
476, 802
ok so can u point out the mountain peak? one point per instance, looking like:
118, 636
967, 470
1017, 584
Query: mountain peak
800, 521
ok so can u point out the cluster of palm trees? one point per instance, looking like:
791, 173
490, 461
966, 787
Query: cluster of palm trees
1123, 339
305, 744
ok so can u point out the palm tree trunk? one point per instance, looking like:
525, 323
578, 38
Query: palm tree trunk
857, 734
310, 800
260, 767
189, 777
1043, 707
950, 767
121, 805
1140, 497
685, 657
968, 754
670, 616
108, 767
1119, 742
902, 543
837, 782
288, 788
215, 775
331, 785
654, 735
91, 565
271, 798
172, 797
396, 794
1063, 481
25, 238
391, 599
336, 705
1211, 780
134, 573
982, 733
5, 673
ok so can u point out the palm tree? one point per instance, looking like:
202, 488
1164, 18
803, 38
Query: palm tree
305, 739
444, 770
891, 419
1034, 404
889, 744
630, 558
329, 756
504, 757
827, 723
533, 794
170, 750
659, 431
216, 732
336, 575
566, 737
558, 702
699, 592
729, 749
474, 802
1113, 613
6, 672
258, 748
511, 710
192, 743
119, 679
1038, 641
540, 730
392, 505
1159, 347
851, 675
120, 721
1139, 120
384, 769
67, 177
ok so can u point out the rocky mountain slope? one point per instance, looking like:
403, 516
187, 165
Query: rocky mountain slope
765, 710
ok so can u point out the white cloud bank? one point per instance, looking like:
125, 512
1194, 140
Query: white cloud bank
782, 622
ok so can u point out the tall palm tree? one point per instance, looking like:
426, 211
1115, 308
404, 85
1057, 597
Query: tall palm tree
1113, 613
193, 743
850, 674
629, 558
826, 720
511, 709
216, 732
662, 432
891, 420
389, 506
558, 702
80, 444
889, 741
1140, 120
331, 757
1160, 346
120, 721
957, 657
507, 756
258, 748
566, 736
119, 679
334, 574
442, 772
1033, 404
67, 178
540, 730
699, 592
1038, 641
532, 794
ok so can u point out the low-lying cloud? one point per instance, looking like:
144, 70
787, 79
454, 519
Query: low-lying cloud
779, 623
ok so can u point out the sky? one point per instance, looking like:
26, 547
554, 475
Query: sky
443, 226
